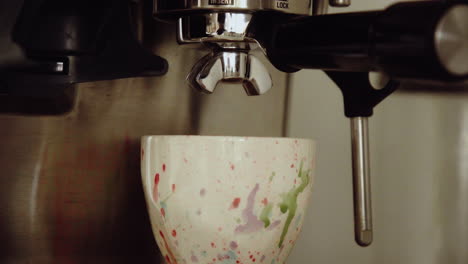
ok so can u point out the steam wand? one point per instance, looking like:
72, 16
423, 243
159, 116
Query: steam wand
359, 100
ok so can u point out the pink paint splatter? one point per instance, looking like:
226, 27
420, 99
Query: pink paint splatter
292, 166
213, 245
220, 229
265, 201
235, 203
263, 258
174, 233
164, 167
202, 192
252, 224
194, 258
173, 187
233, 245
155, 187
233, 167
163, 213
185, 161
274, 224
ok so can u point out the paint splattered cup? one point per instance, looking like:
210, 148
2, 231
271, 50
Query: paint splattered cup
230, 200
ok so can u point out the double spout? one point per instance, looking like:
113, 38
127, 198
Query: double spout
225, 33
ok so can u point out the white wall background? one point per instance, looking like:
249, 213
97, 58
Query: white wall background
419, 144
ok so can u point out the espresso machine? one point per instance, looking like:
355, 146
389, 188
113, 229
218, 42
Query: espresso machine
80, 81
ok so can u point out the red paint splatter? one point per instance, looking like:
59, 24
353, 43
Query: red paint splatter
253, 260
156, 178
251, 256
292, 166
164, 167
168, 260
174, 233
235, 203
142, 152
295, 181
213, 245
232, 166
277, 142
163, 212
265, 201
237, 261
155, 187
220, 229
172, 257
173, 187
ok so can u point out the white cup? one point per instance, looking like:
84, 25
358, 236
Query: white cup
229, 200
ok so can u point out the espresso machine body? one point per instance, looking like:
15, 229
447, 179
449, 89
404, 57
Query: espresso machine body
69, 151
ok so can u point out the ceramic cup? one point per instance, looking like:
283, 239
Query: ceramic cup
229, 200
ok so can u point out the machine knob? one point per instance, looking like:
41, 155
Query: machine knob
230, 66
340, 3
451, 40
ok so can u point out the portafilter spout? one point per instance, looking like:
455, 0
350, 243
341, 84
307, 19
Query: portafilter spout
230, 59
223, 27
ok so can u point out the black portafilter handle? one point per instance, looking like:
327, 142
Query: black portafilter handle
412, 40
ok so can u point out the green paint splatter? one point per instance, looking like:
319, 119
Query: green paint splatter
289, 202
273, 174
229, 258
167, 197
238, 220
203, 253
265, 214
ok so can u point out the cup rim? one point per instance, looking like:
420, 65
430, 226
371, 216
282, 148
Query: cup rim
230, 138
